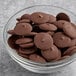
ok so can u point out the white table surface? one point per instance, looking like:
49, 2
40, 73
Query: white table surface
8, 67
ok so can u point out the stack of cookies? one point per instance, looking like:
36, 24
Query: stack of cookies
42, 37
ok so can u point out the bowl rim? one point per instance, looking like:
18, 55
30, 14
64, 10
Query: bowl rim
57, 63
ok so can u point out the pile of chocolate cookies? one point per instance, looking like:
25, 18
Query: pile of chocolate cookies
42, 37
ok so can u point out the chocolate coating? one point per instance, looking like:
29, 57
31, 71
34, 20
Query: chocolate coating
43, 41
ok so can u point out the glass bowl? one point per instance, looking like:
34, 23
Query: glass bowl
30, 65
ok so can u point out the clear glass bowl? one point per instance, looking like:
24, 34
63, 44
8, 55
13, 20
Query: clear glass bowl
30, 65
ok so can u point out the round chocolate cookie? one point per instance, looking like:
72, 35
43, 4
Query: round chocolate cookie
37, 58
61, 40
70, 51
70, 30
43, 41
51, 54
39, 17
22, 28
62, 16
48, 27
27, 51
11, 41
27, 45
23, 40
11, 32
51, 19
25, 16
60, 24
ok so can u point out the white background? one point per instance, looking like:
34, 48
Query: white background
8, 67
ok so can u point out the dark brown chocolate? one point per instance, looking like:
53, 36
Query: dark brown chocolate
62, 16
11, 41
